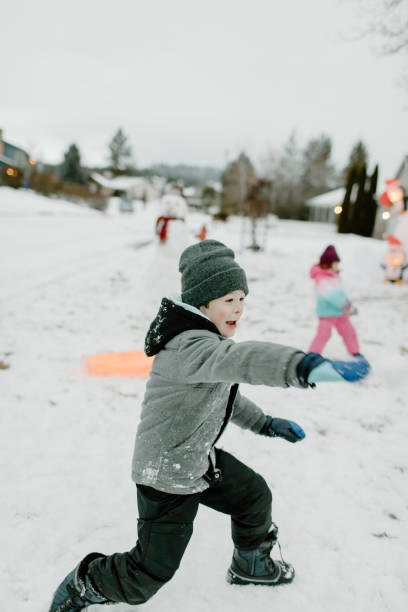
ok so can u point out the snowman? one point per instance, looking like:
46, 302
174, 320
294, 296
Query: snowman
171, 227
171, 238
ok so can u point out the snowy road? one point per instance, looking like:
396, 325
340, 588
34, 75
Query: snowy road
58, 244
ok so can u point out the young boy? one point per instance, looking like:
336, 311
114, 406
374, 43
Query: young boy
191, 395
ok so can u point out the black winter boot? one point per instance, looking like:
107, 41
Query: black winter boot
257, 567
76, 591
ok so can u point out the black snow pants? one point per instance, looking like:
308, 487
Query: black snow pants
165, 527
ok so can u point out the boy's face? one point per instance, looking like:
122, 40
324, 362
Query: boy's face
225, 312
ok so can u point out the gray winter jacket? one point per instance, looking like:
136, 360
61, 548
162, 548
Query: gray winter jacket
186, 396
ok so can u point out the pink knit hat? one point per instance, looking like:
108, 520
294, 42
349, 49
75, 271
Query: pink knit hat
329, 255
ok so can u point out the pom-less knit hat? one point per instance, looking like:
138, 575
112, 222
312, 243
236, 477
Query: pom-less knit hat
209, 271
329, 255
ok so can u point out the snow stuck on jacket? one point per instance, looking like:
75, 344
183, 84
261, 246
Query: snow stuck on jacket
75, 282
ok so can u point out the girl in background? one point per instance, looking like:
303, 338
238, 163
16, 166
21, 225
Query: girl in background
333, 305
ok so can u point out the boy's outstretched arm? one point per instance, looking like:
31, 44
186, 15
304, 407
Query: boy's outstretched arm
202, 357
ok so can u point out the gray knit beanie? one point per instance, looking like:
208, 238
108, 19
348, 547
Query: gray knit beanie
209, 271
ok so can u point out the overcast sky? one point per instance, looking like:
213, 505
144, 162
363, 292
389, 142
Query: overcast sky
196, 81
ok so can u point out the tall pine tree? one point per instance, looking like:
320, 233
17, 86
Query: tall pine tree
357, 160
70, 169
359, 207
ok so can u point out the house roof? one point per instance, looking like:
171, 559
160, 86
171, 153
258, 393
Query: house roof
7, 160
328, 199
119, 182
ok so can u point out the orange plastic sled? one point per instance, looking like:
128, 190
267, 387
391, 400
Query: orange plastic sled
128, 363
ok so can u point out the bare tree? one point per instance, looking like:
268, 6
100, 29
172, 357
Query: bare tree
390, 23
120, 153
236, 181
283, 169
318, 174
258, 200
387, 26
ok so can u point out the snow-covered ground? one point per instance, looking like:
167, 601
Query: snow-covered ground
76, 282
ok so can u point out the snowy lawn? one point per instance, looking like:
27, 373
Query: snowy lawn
76, 282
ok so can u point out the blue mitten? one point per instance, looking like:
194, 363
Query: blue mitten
328, 370
282, 428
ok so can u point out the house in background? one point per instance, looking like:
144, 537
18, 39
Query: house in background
131, 187
193, 195
325, 207
15, 164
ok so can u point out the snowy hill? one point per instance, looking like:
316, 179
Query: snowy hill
76, 282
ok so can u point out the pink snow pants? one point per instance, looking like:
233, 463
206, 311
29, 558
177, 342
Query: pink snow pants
343, 326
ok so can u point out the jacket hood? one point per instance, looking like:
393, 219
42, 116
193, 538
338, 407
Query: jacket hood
173, 319
318, 273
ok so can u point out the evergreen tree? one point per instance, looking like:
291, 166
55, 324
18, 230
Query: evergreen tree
358, 159
70, 169
120, 153
365, 210
236, 181
359, 206
209, 196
